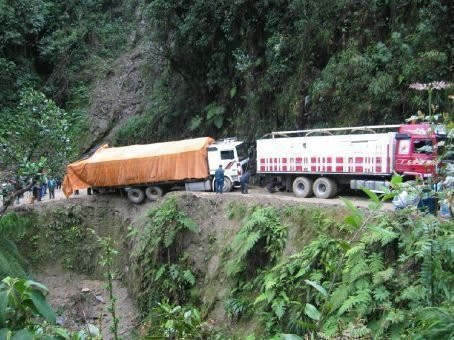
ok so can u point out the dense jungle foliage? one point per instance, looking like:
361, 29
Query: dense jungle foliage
225, 65
214, 67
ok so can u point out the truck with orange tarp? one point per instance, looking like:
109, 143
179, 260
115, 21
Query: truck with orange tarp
150, 170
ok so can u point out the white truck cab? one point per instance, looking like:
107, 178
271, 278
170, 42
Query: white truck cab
232, 155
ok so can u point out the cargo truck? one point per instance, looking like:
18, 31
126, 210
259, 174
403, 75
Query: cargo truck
147, 171
321, 161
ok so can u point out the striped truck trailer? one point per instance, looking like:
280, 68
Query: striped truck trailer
360, 157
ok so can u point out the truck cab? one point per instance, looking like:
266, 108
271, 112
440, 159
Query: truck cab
232, 155
417, 149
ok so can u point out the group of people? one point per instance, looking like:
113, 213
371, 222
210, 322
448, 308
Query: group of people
39, 189
42, 187
219, 181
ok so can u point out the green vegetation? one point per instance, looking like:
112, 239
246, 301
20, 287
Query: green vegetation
160, 269
386, 276
215, 66
50, 54
373, 275
175, 322
293, 272
12, 228
259, 242
108, 255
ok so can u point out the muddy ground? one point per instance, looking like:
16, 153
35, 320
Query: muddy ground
80, 300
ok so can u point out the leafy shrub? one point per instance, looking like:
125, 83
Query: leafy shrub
176, 322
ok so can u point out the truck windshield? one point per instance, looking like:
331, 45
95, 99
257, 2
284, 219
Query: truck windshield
241, 150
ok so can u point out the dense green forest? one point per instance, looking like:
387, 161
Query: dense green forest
229, 67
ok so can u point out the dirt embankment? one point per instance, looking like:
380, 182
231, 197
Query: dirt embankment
65, 254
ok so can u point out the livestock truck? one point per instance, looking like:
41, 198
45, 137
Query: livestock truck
321, 161
147, 171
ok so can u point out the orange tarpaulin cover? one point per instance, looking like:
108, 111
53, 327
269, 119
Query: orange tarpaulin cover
140, 164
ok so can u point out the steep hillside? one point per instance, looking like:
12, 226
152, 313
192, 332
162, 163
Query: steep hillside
231, 267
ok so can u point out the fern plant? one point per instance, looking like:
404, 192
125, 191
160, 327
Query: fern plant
371, 283
159, 266
259, 242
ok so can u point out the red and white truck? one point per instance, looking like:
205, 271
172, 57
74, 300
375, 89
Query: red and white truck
321, 161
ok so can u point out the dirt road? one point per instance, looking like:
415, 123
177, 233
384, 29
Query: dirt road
258, 193
45, 200
255, 193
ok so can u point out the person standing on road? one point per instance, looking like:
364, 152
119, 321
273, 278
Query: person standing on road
40, 190
17, 186
4, 191
44, 186
219, 179
36, 193
51, 184
244, 181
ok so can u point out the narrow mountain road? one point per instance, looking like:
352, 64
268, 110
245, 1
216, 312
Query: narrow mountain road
256, 194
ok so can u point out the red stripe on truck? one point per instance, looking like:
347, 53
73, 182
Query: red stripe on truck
388, 159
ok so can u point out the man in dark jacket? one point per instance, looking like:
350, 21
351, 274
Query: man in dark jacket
244, 181
219, 179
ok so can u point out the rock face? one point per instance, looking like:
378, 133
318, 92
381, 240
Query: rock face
117, 97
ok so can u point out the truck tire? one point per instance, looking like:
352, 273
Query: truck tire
136, 195
325, 187
302, 187
154, 192
227, 185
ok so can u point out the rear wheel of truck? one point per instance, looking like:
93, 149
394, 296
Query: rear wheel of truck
302, 187
325, 187
136, 195
154, 192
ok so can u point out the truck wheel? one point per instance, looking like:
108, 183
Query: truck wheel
302, 187
227, 185
325, 187
153, 193
136, 195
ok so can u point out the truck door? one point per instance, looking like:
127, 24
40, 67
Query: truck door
403, 155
